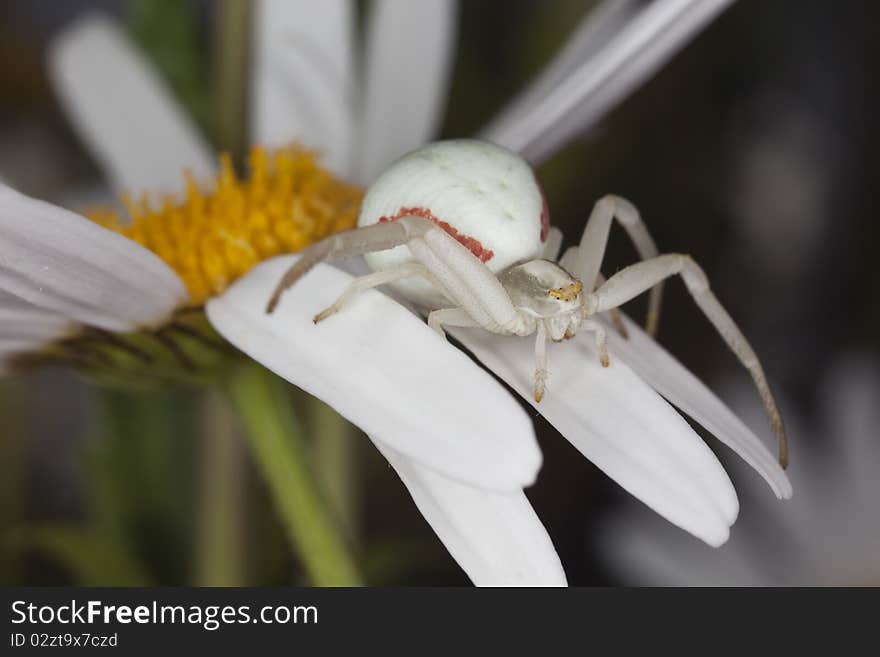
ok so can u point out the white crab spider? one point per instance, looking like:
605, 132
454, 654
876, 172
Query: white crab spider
460, 228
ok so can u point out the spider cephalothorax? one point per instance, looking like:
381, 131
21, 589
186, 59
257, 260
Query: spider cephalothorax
459, 228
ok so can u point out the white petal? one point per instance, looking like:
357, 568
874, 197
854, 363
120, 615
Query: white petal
26, 329
123, 111
409, 50
11, 347
538, 127
614, 419
302, 87
22, 321
382, 368
494, 536
593, 33
57, 260
672, 380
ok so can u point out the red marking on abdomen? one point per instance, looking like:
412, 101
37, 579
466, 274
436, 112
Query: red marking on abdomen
471, 244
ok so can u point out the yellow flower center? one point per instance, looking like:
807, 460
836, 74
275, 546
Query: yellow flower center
211, 238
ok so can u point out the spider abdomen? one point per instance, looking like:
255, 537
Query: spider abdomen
484, 196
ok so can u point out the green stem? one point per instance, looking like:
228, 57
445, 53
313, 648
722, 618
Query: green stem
220, 531
280, 452
231, 62
335, 453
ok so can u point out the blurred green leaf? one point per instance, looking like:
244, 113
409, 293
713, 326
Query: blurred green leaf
90, 559
392, 561
139, 465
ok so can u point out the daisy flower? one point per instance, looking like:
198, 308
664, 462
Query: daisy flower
829, 535
113, 295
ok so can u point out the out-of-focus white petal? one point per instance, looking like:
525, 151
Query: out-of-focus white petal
62, 262
586, 93
25, 327
495, 537
594, 32
675, 382
302, 87
123, 111
384, 370
409, 48
614, 419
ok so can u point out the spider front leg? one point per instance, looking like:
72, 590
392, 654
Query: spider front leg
570, 263
358, 241
448, 265
541, 372
635, 279
614, 314
466, 281
369, 281
540, 362
437, 319
591, 250
598, 332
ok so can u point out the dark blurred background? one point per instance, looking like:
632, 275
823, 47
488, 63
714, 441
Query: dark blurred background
752, 151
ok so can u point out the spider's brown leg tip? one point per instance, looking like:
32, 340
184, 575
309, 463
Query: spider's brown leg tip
783, 454
782, 437
651, 324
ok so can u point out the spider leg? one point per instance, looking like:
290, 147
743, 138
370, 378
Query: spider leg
569, 262
595, 238
540, 361
635, 279
358, 241
541, 372
465, 280
598, 332
614, 314
551, 248
437, 319
376, 279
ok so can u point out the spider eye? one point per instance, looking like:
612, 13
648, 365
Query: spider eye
567, 292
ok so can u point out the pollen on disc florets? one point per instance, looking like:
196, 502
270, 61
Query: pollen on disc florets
210, 238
